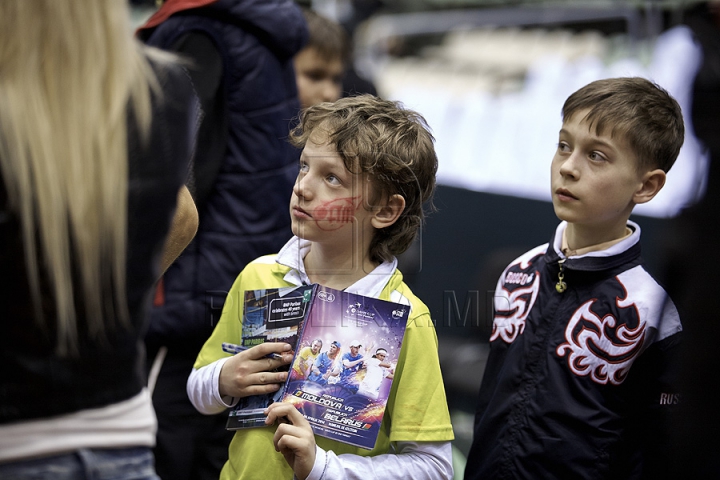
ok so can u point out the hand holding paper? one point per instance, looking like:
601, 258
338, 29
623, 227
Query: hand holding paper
293, 438
250, 372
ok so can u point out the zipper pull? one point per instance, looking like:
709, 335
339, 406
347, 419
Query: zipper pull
561, 286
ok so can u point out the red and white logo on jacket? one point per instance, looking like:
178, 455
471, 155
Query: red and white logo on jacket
601, 347
515, 297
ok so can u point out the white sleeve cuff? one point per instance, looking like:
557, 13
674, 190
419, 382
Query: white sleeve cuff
204, 392
320, 465
416, 460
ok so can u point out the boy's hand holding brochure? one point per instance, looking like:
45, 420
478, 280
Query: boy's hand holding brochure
250, 372
293, 438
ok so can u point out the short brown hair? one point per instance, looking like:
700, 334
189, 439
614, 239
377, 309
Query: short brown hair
327, 37
390, 143
642, 112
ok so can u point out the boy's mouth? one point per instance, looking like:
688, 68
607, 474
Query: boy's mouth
565, 194
301, 212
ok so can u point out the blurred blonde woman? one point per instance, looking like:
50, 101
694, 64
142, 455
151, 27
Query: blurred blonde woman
92, 165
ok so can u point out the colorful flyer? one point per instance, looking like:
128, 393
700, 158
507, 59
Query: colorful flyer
344, 364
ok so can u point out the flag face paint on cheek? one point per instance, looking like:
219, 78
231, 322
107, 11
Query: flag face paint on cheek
336, 213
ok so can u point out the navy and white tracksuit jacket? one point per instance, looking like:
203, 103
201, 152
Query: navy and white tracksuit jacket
579, 383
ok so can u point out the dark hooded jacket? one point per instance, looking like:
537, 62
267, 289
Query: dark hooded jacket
245, 213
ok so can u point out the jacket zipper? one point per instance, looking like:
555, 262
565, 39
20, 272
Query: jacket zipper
561, 286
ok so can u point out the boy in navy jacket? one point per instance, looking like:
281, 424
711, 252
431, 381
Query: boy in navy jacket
580, 378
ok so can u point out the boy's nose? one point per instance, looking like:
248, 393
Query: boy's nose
569, 168
300, 188
297, 189
330, 91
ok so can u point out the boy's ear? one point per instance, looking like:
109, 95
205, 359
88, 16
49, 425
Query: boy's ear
652, 182
389, 213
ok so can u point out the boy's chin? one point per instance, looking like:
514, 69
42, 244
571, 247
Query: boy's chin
559, 213
298, 232
566, 214
301, 232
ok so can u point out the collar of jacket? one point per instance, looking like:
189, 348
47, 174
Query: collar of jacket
621, 253
170, 7
280, 24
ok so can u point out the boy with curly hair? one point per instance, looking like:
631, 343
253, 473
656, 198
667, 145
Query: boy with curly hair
366, 169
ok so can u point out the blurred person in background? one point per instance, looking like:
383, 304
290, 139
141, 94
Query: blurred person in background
320, 66
93, 161
348, 16
240, 55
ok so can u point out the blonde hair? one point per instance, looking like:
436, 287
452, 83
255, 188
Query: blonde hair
69, 71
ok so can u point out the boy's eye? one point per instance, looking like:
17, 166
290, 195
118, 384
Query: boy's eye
597, 157
304, 167
316, 75
333, 180
563, 147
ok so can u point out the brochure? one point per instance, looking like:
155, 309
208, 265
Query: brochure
269, 315
346, 348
